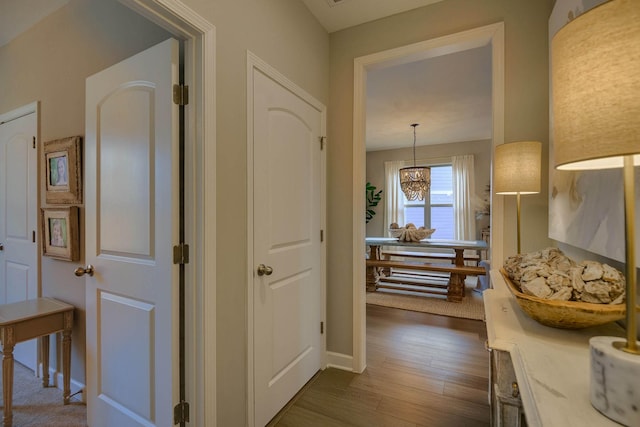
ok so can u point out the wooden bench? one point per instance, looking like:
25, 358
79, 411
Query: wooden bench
467, 270
454, 286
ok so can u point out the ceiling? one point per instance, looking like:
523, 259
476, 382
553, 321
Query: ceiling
449, 96
337, 15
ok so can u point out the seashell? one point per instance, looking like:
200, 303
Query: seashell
592, 271
537, 287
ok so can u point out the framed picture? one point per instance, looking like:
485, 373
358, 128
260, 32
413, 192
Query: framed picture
60, 237
63, 174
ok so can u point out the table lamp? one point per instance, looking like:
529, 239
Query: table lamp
595, 64
517, 171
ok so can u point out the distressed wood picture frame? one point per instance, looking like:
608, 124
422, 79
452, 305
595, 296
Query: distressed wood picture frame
60, 233
63, 174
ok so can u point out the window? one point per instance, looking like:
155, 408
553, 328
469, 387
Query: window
438, 211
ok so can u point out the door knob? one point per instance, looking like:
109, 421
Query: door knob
264, 270
81, 271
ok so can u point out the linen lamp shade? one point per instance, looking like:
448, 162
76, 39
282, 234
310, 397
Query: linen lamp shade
517, 167
596, 88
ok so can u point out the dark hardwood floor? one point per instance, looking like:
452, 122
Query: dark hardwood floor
423, 370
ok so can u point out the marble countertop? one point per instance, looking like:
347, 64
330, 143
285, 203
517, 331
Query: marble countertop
551, 365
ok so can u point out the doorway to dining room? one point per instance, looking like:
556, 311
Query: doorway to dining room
490, 39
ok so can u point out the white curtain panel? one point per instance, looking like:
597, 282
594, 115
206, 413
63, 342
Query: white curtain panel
463, 196
394, 199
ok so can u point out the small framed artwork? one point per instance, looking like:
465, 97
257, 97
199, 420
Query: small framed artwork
60, 237
63, 174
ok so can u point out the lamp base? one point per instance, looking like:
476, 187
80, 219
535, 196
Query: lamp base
615, 389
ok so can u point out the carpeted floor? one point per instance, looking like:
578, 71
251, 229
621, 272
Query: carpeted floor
35, 406
471, 306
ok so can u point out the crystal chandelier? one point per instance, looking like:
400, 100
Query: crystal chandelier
415, 181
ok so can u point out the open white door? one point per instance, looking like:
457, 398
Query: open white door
19, 216
132, 220
287, 285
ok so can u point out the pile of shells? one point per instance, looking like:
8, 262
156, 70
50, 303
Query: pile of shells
551, 275
410, 233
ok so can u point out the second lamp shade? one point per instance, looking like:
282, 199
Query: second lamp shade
517, 167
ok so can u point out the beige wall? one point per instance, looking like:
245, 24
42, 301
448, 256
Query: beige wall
49, 63
481, 151
526, 117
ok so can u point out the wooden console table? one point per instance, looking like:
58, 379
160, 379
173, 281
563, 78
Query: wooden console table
25, 320
540, 372
457, 271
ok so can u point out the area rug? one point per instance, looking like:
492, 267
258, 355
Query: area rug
471, 306
34, 406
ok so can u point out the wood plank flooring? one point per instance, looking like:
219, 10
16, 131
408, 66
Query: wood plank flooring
423, 370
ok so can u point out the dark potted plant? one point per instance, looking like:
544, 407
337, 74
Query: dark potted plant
373, 198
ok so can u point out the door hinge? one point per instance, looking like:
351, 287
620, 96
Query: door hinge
34, 142
33, 236
181, 413
322, 327
180, 94
322, 235
322, 140
181, 254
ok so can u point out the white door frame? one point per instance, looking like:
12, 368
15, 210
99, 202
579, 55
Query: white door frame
254, 62
200, 197
488, 35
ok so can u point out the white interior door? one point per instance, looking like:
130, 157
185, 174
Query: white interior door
287, 204
132, 223
18, 219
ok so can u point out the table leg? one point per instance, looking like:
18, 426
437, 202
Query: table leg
7, 374
455, 289
373, 277
66, 356
44, 346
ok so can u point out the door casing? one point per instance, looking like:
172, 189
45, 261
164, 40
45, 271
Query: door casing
490, 34
199, 38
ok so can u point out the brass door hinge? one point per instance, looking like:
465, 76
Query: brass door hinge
322, 235
181, 94
322, 140
181, 254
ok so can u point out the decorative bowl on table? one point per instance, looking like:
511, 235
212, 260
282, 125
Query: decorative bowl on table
564, 314
410, 233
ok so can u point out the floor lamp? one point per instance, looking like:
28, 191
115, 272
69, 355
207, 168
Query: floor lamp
517, 171
596, 113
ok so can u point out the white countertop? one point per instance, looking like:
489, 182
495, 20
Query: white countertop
551, 365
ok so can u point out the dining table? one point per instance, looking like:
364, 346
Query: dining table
457, 269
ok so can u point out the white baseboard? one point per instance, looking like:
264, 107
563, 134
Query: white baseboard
340, 361
57, 378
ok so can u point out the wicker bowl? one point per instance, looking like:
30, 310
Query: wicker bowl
565, 314
411, 234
